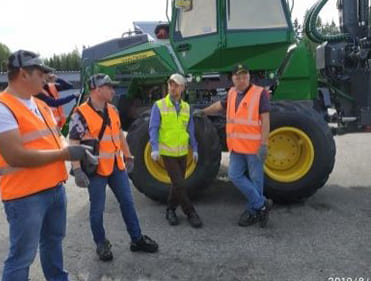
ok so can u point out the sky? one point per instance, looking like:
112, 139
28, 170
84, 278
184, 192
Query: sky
56, 27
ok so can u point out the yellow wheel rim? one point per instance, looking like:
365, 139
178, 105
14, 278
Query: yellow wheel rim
290, 155
157, 168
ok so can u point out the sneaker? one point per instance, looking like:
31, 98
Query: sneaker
247, 219
144, 244
171, 217
104, 251
194, 220
263, 213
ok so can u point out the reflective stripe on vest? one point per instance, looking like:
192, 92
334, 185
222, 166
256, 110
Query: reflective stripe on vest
110, 144
36, 134
28, 137
173, 149
243, 128
105, 155
173, 135
110, 138
58, 112
244, 122
8, 170
243, 136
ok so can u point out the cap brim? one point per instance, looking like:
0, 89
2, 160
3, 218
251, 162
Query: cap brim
241, 71
178, 82
37, 62
113, 83
45, 68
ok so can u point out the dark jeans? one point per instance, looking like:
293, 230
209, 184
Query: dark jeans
176, 168
119, 183
36, 220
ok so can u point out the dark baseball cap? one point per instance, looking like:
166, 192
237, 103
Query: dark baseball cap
23, 59
100, 80
240, 68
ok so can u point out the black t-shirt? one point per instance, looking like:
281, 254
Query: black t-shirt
79, 126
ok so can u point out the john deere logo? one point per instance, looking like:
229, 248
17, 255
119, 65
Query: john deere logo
128, 59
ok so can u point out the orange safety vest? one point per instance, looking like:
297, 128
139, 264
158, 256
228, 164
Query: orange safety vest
110, 145
244, 131
18, 182
58, 112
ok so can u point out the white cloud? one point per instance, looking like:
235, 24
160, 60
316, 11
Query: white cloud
50, 27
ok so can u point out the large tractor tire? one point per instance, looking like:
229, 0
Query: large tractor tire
151, 177
301, 152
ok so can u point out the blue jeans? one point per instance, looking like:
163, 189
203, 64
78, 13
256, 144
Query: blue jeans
35, 220
246, 173
119, 183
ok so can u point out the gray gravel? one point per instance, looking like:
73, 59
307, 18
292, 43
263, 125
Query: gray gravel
327, 236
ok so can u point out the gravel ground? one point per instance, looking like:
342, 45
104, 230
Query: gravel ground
325, 237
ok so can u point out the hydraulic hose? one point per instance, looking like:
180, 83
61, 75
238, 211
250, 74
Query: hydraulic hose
307, 22
311, 29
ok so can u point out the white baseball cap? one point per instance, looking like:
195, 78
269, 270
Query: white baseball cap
178, 78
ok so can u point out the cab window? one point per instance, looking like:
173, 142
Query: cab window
200, 19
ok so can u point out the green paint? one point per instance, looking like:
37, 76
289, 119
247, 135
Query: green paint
264, 50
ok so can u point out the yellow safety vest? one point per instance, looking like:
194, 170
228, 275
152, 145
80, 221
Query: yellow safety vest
173, 135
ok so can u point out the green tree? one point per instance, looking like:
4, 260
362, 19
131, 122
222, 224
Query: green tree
330, 28
65, 62
4, 54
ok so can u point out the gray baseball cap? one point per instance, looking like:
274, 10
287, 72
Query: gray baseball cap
23, 59
99, 80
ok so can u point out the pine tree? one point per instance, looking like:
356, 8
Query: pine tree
4, 54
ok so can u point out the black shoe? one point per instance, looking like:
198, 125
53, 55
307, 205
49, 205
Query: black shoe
194, 220
144, 244
104, 251
171, 217
247, 219
263, 213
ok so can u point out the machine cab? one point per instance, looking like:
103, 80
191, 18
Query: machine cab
213, 35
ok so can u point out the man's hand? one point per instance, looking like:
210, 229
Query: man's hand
262, 154
81, 179
51, 78
195, 157
78, 152
129, 163
198, 113
155, 155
